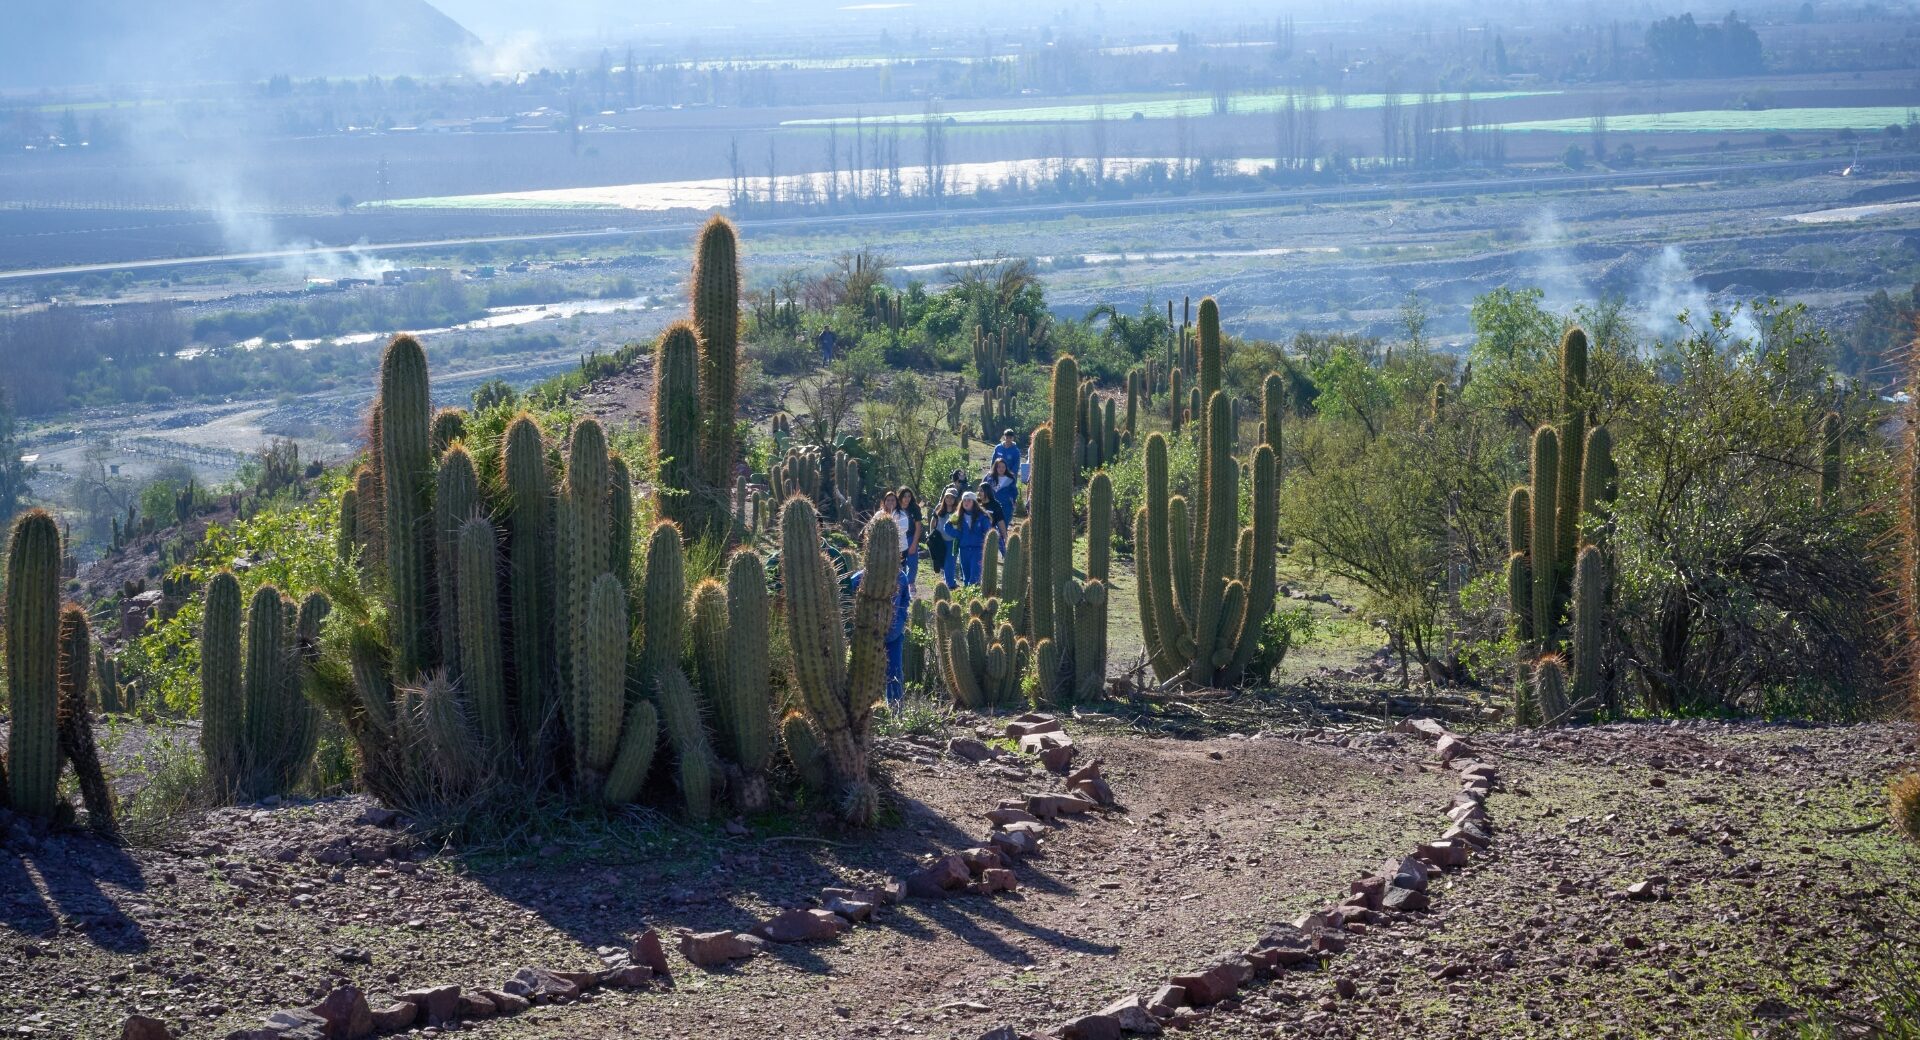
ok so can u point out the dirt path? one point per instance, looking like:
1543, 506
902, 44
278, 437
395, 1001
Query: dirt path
254, 912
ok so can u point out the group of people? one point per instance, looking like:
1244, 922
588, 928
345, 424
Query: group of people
955, 536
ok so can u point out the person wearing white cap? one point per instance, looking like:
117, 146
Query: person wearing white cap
945, 554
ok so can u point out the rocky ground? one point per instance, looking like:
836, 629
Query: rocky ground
1770, 876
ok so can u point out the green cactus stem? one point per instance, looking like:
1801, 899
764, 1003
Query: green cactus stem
33, 663
676, 426
527, 484
716, 320
76, 721
406, 467
482, 660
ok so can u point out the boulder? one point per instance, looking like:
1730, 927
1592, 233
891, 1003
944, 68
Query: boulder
1014, 843
940, 877
1405, 872
1442, 854
1054, 806
796, 926
1003, 816
982, 858
1404, 900
1433, 729
506, 1003
713, 949
1166, 1000
473, 1005
394, 1017
295, 1025
633, 976
1471, 834
1448, 748
1131, 1015
541, 986
1091, 1027
648, 950
1032, 722
855, 911
438, 1004
347, 1014
140, 1027
1285, 946
999, 879
1368, 891
1210, 986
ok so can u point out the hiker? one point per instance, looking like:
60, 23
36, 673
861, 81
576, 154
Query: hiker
1005, 489
991, 506
1007, 450
827, 342
890, 509
943, 552
966, 532
916, 528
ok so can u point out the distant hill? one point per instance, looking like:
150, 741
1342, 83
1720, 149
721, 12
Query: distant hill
54, 43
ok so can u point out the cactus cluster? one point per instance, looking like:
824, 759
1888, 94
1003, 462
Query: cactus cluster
257, 726
978, 653
1207, 583
696, 385
1064, 617
1098, 437
1555, 580
836, 685
989, 358
996, 410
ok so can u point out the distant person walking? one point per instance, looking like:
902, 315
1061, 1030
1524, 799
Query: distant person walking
966, 532
916, 528
890, 509
1004, 487
827, 342
1008, 450
943, 551
991, 506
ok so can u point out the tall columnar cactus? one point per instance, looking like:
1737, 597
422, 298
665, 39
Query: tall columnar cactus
716, 318
107, 677
1273, 417
456, 500
602, 695
33, 663
1830, 451
619, 518
1543, 537
527, 485
1208, 583
677, 425
1589, 604
583, 552
278, 729
731, 638
664, 603
222, 706
482, 659
1573, 441
406, 466
371, 511
836, 690
76, 721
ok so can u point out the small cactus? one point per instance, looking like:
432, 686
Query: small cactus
638, 739
76, 722
482, 663
222, 709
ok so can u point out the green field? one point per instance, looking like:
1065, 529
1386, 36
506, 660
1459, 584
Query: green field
1730, 121
1161, 108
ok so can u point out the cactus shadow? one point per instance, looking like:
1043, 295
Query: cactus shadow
73, 871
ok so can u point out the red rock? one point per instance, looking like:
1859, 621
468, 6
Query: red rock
1014, 843
1643, 891
1032, 722
506, 1003
1351, 915
1095, 789
982, 858
1448, 748
938, 878
1166, 1000
1091, 1027
971, 750
1368, 891
712, 949
879, 895
1052, 806
1431, 728
586, 980
1405, 872
1442, 853
633, 976
999, 879
648, 950
1287, 946
1003, 816
400, 1014
1131, 1015
346, 1013
473, 1005
1090, 771
140, 1027
1210, 986
1467, 813
1059, 758
853, 910
1479, 770
438, 1004
802, 926
1404, 900
540, 986
1469, 834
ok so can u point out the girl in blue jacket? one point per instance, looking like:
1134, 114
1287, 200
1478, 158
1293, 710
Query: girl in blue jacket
966, 532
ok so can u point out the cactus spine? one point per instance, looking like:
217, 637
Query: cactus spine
406, 477
837, 690
677, 424
716, 318
482, 662
33, 665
